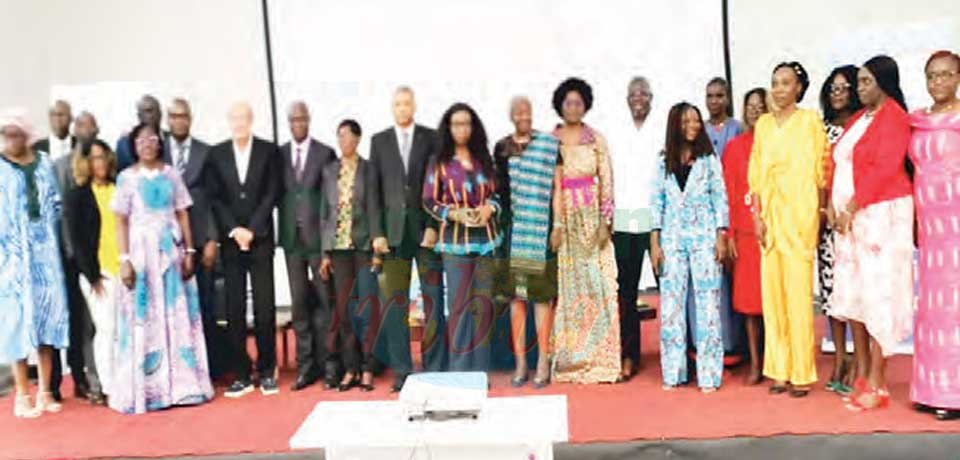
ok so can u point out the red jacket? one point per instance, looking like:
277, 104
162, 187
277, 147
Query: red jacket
880, 155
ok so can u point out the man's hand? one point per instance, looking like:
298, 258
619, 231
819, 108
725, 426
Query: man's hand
209, 258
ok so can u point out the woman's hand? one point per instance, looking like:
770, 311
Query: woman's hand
844, 222
830, 217
603, 236
484, 213
556, 240
128, 275
720, 251
325, 269
760, 229
187, 268
732, 254
656, 254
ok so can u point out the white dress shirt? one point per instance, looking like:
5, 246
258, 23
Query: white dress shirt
635, 155
242, 158
59, 148
405, 155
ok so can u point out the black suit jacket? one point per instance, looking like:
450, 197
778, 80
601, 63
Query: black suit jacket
84, 223
43, 145
202, 225
366, 208
300, 201
399, 192
249, 204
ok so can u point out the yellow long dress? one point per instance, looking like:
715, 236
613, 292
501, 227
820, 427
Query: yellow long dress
786, 170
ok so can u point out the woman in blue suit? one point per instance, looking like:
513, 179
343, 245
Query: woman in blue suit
690, 216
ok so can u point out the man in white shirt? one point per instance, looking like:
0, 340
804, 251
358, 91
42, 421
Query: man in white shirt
634, 167
60, 143
243, 180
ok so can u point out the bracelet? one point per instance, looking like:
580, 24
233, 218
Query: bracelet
191, 251
123, 258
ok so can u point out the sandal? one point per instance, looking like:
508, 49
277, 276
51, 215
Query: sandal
778, 389
46, 403
23, 408
947, 414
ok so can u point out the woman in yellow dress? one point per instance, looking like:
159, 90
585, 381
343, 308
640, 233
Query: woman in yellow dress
786, 174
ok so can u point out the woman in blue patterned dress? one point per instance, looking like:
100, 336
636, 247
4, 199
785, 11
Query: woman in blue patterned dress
690, 216
33, 315
160, 359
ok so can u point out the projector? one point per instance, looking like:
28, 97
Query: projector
443, 395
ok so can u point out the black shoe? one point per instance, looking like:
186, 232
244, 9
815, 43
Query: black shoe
946, 414
97, 398
354, 382
268, 386
331, 376
302, 382
239, 389
366, 388
518, 381
398, 384
81, 391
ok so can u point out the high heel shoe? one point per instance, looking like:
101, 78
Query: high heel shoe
947, 414
519, 380
46, 403
348, 385
23, 408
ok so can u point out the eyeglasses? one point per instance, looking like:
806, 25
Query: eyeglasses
839, 89
940, 76
151, 140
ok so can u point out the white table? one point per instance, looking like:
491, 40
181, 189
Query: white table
522, 428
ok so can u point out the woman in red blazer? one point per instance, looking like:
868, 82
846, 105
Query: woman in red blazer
872, 210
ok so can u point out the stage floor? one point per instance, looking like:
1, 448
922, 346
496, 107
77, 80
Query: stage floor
637, 410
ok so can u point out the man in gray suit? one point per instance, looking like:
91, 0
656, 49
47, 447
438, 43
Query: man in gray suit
188, 156
299, 224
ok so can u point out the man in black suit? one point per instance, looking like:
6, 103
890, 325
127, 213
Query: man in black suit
188, 155
303, 161
399, 157
244, 183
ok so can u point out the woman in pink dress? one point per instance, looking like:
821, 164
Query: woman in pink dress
935, 151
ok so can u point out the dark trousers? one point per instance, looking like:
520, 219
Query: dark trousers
213, 335
629, 249
357, 314
259, 263
472, 312
312, 312
394, 282
80, 353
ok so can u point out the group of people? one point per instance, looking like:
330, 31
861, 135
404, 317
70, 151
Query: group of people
112, 254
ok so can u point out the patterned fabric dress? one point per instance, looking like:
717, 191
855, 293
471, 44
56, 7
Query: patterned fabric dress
160, 359
935, 151
33, 310
825, 246
586, 329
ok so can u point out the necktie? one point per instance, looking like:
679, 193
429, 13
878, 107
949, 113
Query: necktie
297, 166
405, 149
181, 163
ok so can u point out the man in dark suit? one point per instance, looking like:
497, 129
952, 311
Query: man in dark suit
243, 181
303, 161
148, 112
188, 155
399, 157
